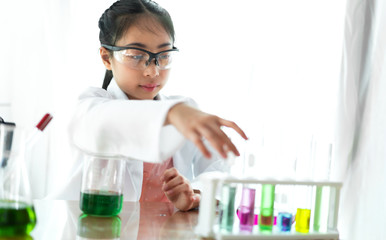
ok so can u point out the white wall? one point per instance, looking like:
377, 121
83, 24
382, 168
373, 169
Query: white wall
271, 66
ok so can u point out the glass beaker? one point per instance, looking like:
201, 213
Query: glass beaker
102, 185
17, 214
93, 227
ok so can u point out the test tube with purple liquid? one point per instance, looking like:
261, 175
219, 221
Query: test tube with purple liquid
247, 209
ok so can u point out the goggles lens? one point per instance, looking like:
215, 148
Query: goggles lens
138, 59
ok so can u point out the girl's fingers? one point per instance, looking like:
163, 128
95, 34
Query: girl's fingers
218, 139
197, 140
226, 143
169, 174
182, 188
196, 198
233, 125
178, 180
213, 135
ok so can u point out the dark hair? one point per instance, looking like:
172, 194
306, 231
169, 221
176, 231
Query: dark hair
117, 19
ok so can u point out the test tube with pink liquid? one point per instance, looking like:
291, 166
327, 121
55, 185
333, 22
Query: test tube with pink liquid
247, 209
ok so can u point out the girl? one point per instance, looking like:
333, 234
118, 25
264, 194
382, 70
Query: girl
129, 117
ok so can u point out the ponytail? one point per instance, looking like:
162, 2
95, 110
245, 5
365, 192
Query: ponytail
107, 80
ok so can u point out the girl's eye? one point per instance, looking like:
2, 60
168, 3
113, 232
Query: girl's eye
134, 55
137, 57
164, 56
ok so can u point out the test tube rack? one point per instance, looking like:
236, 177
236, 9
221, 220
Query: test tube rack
208, 221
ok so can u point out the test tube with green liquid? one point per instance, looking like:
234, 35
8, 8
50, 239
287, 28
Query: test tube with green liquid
318, 207
227, 207
267, 207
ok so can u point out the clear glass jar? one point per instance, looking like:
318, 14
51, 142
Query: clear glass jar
102, 185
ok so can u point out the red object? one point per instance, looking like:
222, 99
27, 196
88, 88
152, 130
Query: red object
44, 122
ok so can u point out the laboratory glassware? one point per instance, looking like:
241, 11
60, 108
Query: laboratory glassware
102, 185
17, 214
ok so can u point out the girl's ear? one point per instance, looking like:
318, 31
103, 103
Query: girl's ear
105, 57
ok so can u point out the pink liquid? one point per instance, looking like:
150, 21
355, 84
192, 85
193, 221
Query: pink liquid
256, 218
246, 219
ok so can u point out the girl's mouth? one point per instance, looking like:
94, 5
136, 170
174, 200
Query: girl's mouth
149, 87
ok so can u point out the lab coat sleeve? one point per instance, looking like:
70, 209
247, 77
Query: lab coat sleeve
129, 128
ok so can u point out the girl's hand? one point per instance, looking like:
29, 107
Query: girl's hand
179, 191
196, 125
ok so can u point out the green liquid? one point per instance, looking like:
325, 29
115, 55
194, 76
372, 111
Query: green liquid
16, 219
228, 207
94, 227
317, 211
101, 203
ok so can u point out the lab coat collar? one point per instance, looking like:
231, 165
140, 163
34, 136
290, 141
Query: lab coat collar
117, 93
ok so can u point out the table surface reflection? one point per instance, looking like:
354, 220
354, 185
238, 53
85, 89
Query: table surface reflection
148, 220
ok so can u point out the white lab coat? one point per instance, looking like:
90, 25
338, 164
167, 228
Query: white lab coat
108, 123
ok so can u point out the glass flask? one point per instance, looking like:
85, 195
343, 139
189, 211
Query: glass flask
102, 185
17, 214
94, 227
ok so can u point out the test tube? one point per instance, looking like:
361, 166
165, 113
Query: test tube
303, 213
247, 209
284, 221
227, 207
303, 220
267, 206
317, 209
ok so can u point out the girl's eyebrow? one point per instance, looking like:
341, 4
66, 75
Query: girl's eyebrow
141, 45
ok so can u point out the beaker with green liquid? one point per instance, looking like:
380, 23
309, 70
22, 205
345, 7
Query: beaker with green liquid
94, 227
102, 185
17, 214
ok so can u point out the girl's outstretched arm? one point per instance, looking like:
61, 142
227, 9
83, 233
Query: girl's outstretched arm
196, 125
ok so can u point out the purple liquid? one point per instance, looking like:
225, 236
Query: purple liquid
246, 219
285, 220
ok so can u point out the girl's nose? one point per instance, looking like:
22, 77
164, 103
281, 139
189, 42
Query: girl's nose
151, 70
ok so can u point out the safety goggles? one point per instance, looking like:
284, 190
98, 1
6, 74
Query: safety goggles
138, 58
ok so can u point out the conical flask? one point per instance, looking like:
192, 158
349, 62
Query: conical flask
17, 214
